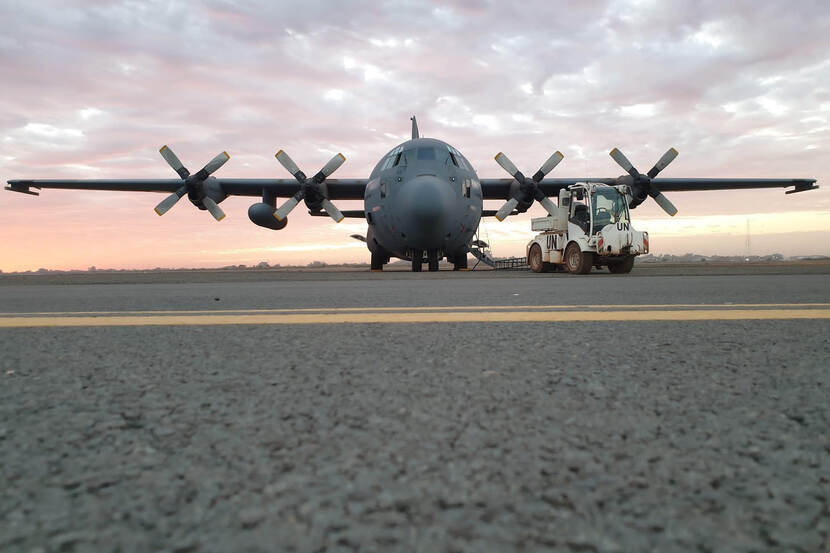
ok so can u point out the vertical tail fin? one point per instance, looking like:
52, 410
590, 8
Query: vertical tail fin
414, 128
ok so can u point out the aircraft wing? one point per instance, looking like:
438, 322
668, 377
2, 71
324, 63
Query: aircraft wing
499, 189
520, 192
338, 189
206, 191
689, 185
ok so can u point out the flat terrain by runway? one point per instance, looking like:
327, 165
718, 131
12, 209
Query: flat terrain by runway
400, 270
472, 412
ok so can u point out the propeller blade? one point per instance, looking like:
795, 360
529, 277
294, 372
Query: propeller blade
664, 202
168, 202
214, 209
289, 165
506, 164
623, 162
549, 206
333, 212
548, 166
286, 208
216, 163
667, 158
332, 165
174, 162
507, 209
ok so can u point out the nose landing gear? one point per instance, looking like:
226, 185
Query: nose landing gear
433, 256
432, 260
417, 260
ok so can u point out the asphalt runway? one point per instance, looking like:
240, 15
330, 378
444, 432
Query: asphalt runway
431, 412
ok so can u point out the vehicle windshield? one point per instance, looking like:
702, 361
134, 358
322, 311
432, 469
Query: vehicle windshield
609, 207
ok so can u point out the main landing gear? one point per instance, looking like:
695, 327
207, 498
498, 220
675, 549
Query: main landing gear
377, 262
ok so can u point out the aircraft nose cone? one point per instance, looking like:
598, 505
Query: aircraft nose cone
427, 202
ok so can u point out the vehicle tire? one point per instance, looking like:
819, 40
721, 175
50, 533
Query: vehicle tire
534, 259
623, 266
432, 260
577, 261
417, 260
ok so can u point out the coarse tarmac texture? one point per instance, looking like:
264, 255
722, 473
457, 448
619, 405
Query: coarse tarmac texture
654, 435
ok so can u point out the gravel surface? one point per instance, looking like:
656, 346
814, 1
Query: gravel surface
670, 436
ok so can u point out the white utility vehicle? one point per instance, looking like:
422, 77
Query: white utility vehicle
591, 228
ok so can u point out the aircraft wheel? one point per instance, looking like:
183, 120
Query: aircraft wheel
432, 260
534, 259
417, 260
459, 262
622, 267
577, 261
377, 262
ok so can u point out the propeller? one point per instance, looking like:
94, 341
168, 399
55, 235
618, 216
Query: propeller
528, 188
641, 184
311, 189
193, 185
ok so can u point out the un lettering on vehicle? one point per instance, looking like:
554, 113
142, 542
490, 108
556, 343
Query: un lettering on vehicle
550, 241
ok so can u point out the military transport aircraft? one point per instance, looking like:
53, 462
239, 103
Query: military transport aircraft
422, 200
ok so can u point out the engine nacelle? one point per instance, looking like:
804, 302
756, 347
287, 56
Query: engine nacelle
637, 189
262, 214
210, 189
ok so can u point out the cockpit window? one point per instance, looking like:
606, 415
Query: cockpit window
426, 153
429, 153
394, 158
457, 158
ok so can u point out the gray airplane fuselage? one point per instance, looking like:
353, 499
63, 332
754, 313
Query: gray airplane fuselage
422, 196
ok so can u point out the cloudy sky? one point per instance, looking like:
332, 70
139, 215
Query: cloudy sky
93, 89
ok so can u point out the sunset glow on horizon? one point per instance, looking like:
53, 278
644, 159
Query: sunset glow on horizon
93, 90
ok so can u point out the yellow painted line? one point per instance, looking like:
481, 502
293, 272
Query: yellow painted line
444, 317
403, 309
